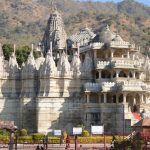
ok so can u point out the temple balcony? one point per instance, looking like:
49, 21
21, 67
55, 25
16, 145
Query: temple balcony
120, 44
132, 86
109, 86
102, 64
126, 63
115, 62
91, 87
96, 45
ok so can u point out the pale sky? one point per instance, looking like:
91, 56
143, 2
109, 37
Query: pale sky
146, 2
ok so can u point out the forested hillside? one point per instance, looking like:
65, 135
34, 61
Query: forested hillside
24, 21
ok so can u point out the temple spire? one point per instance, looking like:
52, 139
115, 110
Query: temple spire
78, 49
51, 48
107, 27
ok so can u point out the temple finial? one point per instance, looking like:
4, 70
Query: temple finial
53, 5
107, 27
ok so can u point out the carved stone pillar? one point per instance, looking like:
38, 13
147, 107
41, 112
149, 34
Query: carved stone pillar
100, 74
117, 73
95, 54
112, 53
134, 100
117, 98
124, 98
99, 98
87, 97
105, 97
106, 55
142, 98
128, 54
134, 74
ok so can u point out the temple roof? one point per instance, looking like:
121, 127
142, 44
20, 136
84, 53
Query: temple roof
12, 60
117, 38
107, 35
84, 36
55, 32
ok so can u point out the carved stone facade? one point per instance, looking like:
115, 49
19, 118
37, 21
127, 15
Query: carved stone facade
104, 82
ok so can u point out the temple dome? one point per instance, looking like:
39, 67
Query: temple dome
118, 38
13, 65
39, 62
83, 37
107, 36
49, 65
55, 32
28, 69
87, 64
76, 63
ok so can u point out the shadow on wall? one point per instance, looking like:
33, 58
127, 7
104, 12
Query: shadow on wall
28, 98
70, 112
9, 95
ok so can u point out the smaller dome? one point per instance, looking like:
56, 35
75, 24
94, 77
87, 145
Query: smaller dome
118, 38
76, 63
107, 36
31, 60
39, 62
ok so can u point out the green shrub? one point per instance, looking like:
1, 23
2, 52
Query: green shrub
4, 139
25, 139
54, 140
4, 132
85, 133
23, 132
37, 137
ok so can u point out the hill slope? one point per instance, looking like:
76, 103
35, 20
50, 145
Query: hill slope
24, 21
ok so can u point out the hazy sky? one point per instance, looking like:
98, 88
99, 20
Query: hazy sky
146, 2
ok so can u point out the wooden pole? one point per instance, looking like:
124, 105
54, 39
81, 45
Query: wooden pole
76, 142
104, 140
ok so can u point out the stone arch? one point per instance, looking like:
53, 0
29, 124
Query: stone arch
122, 74
106, 74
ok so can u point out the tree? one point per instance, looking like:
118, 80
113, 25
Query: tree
7, 50
22, 54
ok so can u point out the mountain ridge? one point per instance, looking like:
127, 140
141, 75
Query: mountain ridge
24, 21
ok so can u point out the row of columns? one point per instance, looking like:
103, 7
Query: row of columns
117, 98
118, 72
112, 54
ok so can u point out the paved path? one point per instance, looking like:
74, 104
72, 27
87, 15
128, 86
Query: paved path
58, 147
